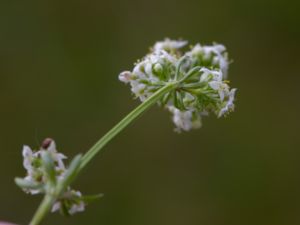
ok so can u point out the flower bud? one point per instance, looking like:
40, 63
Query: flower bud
158, 69
125, 76
46, 143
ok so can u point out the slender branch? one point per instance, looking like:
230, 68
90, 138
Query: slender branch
43, 209
49, 200
125, 122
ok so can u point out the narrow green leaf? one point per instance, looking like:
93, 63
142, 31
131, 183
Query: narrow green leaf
193, 85
180, 62
166, 98
175, 99
191, 73
64, 209
180, 101
91, 198
27, 184
71, 173
48, 164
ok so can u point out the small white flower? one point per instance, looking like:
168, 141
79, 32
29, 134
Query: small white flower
78, 207
51, 146
219, 59
168, 57
185, 120
37, 180
169, 45
58, 158
215, 75
221, 87
229, 106
216, 53
56, 207
125, 76
31, 191
138, 89
148, 69
32, 162
217, 48
28, 156
148, 73
73, 202
138, 70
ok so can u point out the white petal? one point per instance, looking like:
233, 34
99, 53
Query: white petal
168, 44
215, 85
77, 208
148, 69
137, 89
221, 94
222, 111
52, 147
125, 76
28, 155
168, 57
27, 152
219, 48
137, 70
56, 207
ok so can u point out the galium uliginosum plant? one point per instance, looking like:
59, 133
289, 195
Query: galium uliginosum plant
189, 84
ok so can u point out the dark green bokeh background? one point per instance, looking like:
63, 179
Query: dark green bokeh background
59, 62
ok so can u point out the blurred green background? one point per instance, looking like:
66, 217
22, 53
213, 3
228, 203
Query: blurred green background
59, 62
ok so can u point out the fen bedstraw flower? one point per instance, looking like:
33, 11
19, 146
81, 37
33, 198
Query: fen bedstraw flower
169, 45
200, 75
45, 172
69, 203
33, 163
214, 56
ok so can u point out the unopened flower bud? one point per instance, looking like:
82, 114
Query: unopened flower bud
158, 68
125, 76
46, 143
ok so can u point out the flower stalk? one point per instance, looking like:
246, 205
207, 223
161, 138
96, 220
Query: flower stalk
189, 85
126, 121
50, 198
43, 209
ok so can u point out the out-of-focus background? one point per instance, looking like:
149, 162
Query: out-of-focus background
59, 62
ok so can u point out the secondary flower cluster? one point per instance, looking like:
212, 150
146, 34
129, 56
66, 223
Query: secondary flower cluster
201, 75
38, 177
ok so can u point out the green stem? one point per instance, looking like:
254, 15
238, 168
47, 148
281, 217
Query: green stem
48, 200
43, 209
125, 122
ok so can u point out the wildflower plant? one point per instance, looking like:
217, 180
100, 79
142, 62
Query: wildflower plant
189, 84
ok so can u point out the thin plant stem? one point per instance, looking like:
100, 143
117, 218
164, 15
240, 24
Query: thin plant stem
49, 200
125, 122
43, 209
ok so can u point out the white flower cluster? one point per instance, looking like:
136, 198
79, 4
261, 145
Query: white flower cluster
70, 201
214, 57
37, 178
200, 72
150, 74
